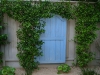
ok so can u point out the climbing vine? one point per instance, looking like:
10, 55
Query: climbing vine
86, 27
30, 15
3, 37
32, 26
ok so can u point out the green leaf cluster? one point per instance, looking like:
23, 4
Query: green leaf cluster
63, 68
31, 15
87, 71
86, 26
1, 54
3, 37
6, 70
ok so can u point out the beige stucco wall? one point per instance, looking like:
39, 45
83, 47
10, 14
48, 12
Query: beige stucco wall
10, 49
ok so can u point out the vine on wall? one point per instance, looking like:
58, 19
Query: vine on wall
3, 37
29, 14
86, 27
32, 26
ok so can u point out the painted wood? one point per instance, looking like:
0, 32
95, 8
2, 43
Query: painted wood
54, 47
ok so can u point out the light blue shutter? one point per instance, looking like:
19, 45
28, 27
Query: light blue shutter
54, 47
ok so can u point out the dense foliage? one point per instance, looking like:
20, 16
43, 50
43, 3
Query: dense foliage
3, 37
87, 71
6, 70
32, 26
30, 16
86, 27
63, 68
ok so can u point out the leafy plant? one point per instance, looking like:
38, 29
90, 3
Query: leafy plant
86, 27
29, 47
1, 54
3, 37
0, 72
63, 68
86, 71
8, 70
31, 28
